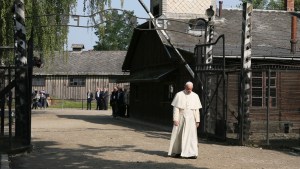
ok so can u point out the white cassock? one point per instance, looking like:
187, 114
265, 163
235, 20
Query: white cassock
184, 139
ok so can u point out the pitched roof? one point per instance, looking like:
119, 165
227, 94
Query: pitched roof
149, 27
84, 63
271, 33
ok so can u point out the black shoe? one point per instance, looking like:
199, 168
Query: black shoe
177, 156
192, 157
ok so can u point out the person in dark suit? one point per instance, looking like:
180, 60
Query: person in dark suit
113, 102
120, 102
126, 101
34, 99
105, 99
101, 99
98, 98
43, 99
89, 97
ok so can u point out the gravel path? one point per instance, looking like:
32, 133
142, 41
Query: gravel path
93, 139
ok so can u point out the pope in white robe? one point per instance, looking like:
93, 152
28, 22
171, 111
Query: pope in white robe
186, 119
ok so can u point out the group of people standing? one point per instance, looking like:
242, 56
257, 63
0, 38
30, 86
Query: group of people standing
101, 97
39, 99
118, 99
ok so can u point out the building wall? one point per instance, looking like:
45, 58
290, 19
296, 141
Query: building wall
287, 110
59, 87
288, 99
147, 103
151, 101
153, 55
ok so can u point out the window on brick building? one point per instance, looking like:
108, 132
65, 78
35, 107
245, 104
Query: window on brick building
259, 89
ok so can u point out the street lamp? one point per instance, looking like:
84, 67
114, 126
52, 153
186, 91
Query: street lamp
208, 60
210, 12
209, 24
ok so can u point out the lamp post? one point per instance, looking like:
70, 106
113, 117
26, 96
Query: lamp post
208, 59
209, 35
210, 12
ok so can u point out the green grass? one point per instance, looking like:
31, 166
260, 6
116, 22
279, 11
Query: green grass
67, 104
71, 104
75, 104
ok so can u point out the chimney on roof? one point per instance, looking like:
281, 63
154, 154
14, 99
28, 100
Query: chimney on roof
77, 47
290, 7
294, 34
220, 8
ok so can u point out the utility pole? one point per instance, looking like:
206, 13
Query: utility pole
22, 90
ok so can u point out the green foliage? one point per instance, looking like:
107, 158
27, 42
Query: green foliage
97, 5
6, 22
297, 5
257, 4
40, 15
271, 4
116, 32
280, 5
276, 5
43, 21
6, 29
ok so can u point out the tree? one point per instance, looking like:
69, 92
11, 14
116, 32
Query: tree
297, 5
97, 5
41, 16
257, 4
271, 5
116, 33
280, 5
276, 5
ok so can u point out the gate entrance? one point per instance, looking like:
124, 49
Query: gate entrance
212, 87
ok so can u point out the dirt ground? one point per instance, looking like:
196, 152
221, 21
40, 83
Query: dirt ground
78, 139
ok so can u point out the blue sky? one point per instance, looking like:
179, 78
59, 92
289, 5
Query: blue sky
87, 36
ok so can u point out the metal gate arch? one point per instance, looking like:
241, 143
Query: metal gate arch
212, 77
